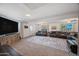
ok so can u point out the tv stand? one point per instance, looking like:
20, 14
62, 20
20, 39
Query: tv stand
9, 39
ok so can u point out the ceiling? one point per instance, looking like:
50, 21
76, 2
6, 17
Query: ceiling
33, 6
38, 11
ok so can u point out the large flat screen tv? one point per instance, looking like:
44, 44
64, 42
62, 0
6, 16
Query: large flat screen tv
7, 26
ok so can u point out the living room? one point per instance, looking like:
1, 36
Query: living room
29, 29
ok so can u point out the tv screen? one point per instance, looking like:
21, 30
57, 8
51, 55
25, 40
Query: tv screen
7, 26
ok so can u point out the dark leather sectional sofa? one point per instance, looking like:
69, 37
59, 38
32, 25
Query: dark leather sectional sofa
59, 34
71, 39
41, 33
72, 44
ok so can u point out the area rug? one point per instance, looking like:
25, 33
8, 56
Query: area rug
56, 43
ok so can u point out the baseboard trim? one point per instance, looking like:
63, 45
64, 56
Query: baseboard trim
28, 36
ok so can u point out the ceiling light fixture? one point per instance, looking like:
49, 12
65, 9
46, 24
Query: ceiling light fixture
28, 15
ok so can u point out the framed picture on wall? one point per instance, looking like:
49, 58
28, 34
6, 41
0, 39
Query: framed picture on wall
25, 26
69, 26
53, 27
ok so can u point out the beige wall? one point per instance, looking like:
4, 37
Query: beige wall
76, 27
78, 37
57, 25
48, 26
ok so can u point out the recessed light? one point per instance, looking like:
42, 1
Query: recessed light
28, 15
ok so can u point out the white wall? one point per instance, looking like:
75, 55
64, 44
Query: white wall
33, 27
25, 32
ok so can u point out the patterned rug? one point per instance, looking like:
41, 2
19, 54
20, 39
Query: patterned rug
56, 43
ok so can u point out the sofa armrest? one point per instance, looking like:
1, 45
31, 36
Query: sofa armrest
75, 42
70, 42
